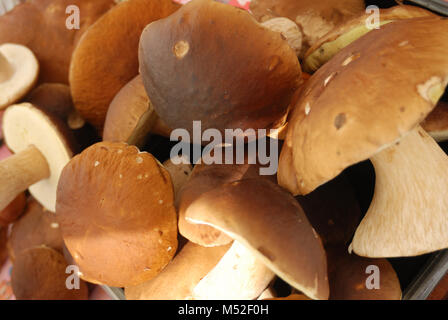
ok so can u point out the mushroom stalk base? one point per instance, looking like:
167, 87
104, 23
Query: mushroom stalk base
19, 172
6, 71
408, 215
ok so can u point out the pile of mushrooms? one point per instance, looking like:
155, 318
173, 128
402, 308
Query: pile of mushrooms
91, 185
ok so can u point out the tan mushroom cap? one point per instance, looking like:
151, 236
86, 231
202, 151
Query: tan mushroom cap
39, 273
13, 211
180, 171
35, 228
344, 34
348, 275
366, 97
436, 123
315, 18
214, 63
116, 212
271, 224
178, 279
106, 57
131, 117
19, 69
41, 26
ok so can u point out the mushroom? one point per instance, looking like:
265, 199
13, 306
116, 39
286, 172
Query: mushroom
269, 223
188, 63
179, 173
18, 73
99, 69
436, 123
39, 273
36, 227
344, 34
367, 102
41, 26
116, 213
13, 211
131, 117
315, 18
43, 145
3, 246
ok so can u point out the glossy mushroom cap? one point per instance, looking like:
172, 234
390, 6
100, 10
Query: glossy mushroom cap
214, 63
116, 212
106, 58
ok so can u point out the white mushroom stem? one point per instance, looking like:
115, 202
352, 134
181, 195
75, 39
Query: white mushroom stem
6, 70
408, 215
239, 275
19, 172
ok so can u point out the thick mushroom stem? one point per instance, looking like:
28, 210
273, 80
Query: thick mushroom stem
408, 215
6, 69
19, 172
239, 275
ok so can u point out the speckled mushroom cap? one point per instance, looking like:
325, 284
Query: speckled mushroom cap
271, 224
39, 273
41, 26
369, 95
214, 63
315, 18
436, 124
344, 34
106, 57
115, 208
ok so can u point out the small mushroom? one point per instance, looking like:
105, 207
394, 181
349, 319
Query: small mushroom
18, 73
106, 58
115, 206
179, 173
371, 108
13, 211
36, 227
43, 145
344, 34
214, 63
39, 273
41, 26
436, 123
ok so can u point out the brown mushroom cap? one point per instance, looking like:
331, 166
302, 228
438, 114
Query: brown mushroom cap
315, 18
13, 211
436, 123
41, 26
3, 245
35, 228
344, 34
39, 273
115, 207
99, 69
272, 225
405, 71
188, 62
178, 279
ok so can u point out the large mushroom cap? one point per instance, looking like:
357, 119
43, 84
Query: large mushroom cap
214, 63
106, 57
115, 208
39, 273
41, 26
398, 72
18, 73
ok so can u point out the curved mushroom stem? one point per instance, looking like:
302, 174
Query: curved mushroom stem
6, 69
238, 275
19, 172
408, 215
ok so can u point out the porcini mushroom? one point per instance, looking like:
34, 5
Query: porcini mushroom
367, 102
43, 145
436, 123
18, 73
3, 247
230, 71
116, 212
180, 171
42, 26
98, 70
39, 273
13, 211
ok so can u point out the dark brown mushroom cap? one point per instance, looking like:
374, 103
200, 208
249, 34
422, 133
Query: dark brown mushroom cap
3, 245
41, 26
436, 123
366, 97
39, 273
348, 276
35, 228
269, 222
106, 57
115, 207
214, 63
13, 211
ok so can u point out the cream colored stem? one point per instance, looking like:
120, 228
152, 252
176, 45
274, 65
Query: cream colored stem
409, 212
19, 172
6, 69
